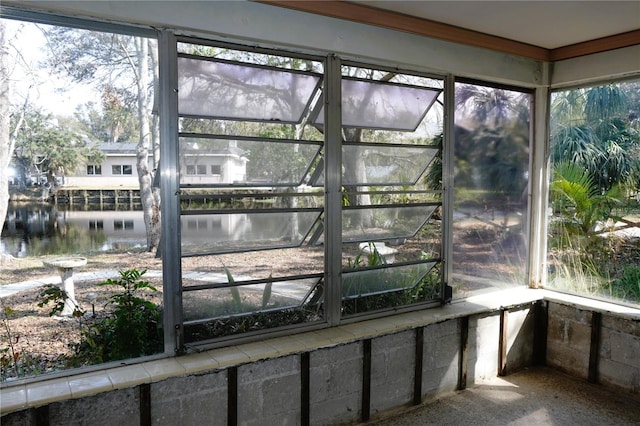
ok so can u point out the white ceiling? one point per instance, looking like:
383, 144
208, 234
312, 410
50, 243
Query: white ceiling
548, 24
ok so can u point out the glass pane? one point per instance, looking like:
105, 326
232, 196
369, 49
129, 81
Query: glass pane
243, 92
228, 232
221, 312
594, 192
491, 179
376, 105
245, 162
380, 223
388, 164
221, 302
382, 280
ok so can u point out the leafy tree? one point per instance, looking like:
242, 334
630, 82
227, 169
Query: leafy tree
50, 150
121, 67
6, 144
598, 134
492, 139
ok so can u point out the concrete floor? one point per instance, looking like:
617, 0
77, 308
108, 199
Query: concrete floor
537, 396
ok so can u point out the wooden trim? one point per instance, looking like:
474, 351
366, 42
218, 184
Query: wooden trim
433, 29
603, 44
463, 359
366, 381
503, 343
419, 26
410, 24
594, 354
417, 371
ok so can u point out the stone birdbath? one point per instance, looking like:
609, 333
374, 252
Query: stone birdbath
65, 267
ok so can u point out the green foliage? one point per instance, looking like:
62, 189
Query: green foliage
627, 287
131, 329
43, 145
574, 194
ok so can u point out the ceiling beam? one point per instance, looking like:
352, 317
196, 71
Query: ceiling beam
427, 28
411, 24
603, 44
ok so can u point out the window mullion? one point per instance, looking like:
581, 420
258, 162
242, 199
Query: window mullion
169, 187
333, 184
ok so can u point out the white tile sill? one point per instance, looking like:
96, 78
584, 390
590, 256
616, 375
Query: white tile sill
38, 393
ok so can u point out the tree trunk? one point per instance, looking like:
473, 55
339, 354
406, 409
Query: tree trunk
150, 207
6, 143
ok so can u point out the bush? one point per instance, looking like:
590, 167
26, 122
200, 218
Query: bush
131, 329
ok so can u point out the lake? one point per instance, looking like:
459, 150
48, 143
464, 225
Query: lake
45, 229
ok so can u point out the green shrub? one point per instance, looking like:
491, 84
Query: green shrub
132, 328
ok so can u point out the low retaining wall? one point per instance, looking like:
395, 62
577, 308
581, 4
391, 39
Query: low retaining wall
345, 374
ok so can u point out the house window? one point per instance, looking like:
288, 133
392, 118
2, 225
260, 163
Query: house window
191, 169
122, 225
216, 169
93, 169
95, 225
201, 169
124, 169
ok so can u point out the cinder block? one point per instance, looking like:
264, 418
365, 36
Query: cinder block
19, 418
98, 409
269, 392
621, 325
484, 334
625, 349
619, 375
441, 358
520, 327
195, 399
336, 384
392, 370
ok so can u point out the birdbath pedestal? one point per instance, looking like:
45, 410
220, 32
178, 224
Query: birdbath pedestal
65, 267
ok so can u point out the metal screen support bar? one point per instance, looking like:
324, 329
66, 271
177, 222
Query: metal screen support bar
447, 183
333, 184
169, 187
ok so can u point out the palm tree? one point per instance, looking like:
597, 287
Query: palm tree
591, 128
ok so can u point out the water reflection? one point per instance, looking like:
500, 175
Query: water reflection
43, 229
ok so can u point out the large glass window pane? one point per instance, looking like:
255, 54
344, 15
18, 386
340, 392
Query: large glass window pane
491, 162
594, 221
80, 102
249, 229
391, 174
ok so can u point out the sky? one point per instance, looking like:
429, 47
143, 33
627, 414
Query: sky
55, 94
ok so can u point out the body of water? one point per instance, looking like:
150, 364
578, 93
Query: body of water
44, 229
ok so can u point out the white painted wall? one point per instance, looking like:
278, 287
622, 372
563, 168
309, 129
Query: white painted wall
619, 63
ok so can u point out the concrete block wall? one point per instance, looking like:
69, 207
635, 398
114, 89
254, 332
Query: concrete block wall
595, 344
349, 381
441, 359
568, 339
335, 392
